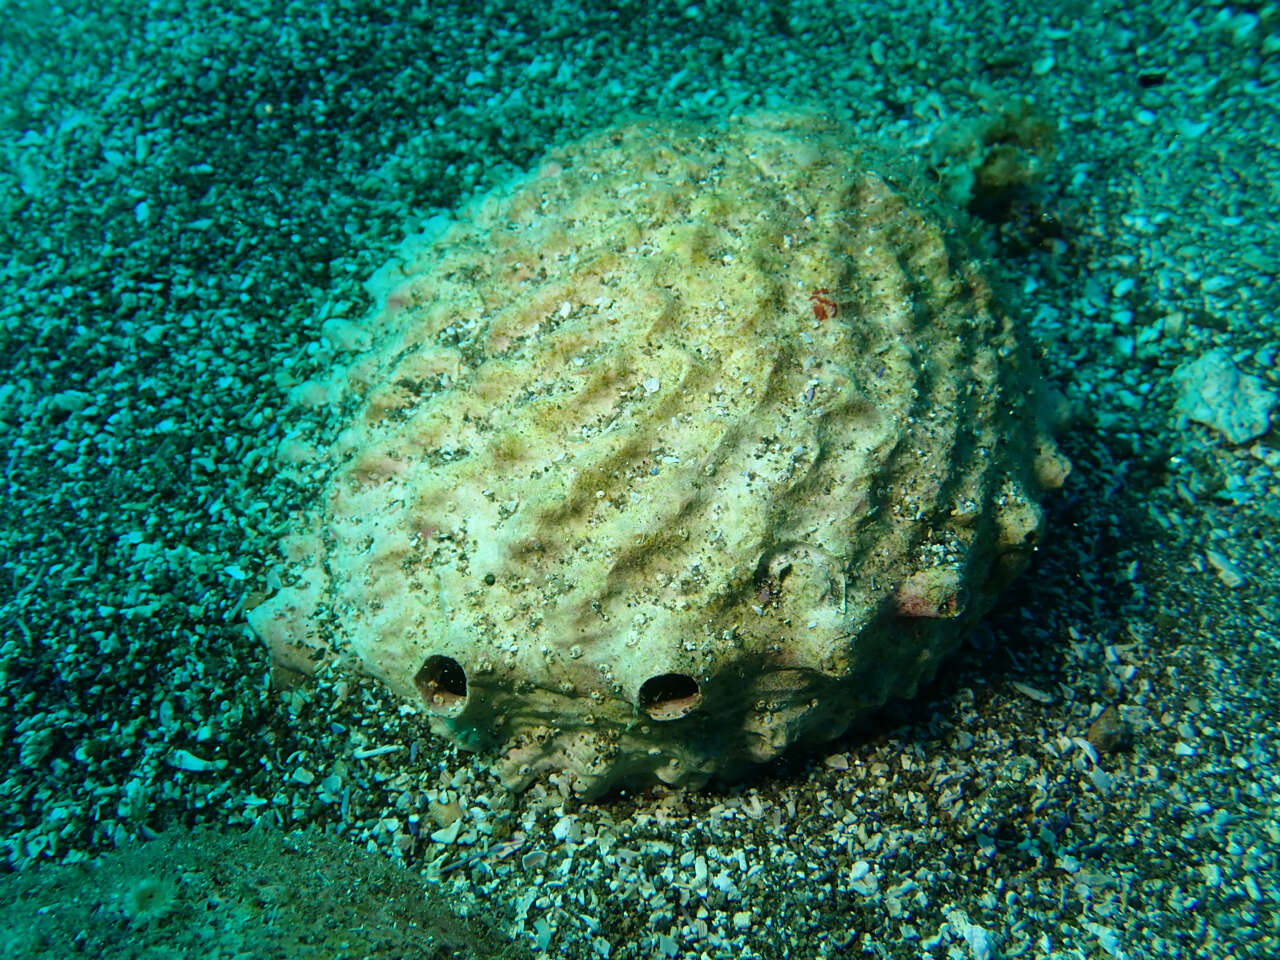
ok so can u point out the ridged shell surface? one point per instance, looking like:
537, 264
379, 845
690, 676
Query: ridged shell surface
688, 445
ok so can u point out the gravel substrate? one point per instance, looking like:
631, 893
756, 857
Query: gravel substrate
188, 190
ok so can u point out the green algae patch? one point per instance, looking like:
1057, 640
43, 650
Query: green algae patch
212, 893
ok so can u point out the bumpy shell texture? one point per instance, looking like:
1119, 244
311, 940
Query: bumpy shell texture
689, 445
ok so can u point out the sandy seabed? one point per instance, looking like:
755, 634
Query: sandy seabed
189, 190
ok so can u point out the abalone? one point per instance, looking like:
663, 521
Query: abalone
688, 445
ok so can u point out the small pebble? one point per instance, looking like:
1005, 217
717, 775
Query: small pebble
1109, 732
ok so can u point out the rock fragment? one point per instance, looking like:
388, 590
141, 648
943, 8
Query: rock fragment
1213, 391
1109, 732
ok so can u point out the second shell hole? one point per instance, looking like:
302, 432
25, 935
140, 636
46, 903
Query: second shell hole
669, 696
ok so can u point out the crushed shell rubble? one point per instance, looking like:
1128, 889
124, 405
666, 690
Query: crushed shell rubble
149, 351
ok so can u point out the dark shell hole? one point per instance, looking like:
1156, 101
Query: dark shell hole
443, 685
669, 696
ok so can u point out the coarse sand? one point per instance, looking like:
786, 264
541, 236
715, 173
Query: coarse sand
190, 190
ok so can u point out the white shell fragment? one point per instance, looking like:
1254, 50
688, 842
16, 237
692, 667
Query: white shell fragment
691, 444
1213, 391
185, 760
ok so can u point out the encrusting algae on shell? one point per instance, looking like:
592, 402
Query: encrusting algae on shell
689, 445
